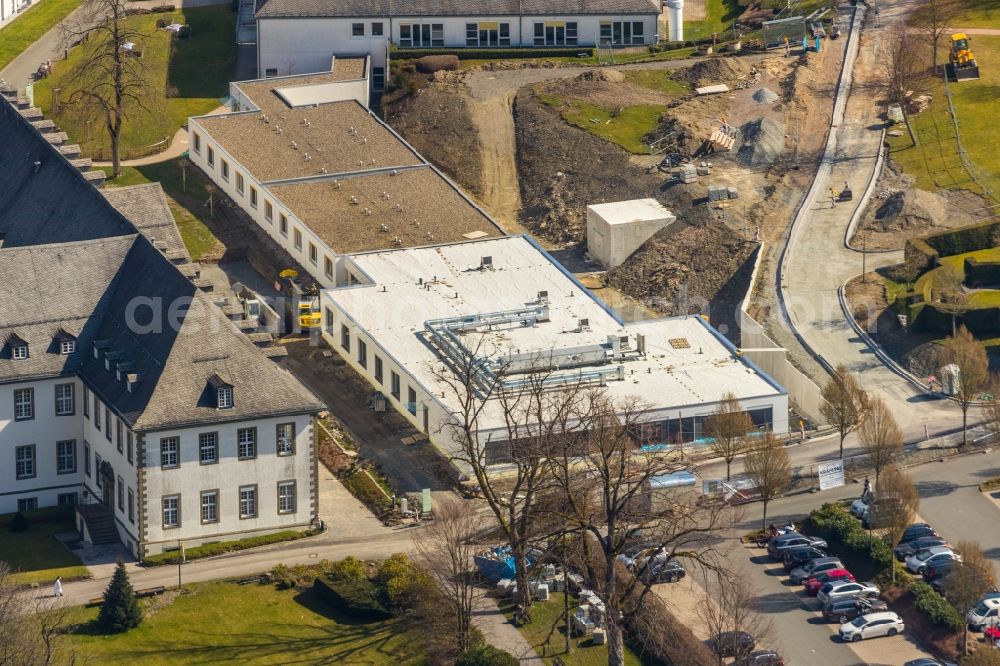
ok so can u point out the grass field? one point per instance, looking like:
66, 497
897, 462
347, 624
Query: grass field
37, 556
183, 77
227, 623
981, 14
198, 238
25, 30
543, 616
719, 17
976, 105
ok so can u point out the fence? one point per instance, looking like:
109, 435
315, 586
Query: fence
776, 32
983, 180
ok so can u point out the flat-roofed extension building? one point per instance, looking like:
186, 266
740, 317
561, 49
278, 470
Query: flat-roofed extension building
410, 310
325, 177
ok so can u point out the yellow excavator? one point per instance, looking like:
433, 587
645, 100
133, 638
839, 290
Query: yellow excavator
962, 61
302, 300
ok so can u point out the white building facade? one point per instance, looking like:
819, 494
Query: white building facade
11, 9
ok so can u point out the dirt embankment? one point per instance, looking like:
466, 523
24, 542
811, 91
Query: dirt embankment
437, 122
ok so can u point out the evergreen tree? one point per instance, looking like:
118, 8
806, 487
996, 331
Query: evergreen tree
120, 610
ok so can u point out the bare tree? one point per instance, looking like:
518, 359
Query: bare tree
991, 409
969, 356
845, 403
968, 581
728, 613
948, 294
727, 427
880, 436
902, 73
607, 497
29, 625
982, 656
109, 76
769, 469
445, 552
896, 503
934, 18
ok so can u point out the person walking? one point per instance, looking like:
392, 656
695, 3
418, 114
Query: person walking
868, 488
57, 587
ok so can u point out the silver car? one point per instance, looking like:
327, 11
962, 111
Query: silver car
930, 557
846, 589
813, 567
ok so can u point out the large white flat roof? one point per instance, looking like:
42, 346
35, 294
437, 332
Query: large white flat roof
634, 210
686, 361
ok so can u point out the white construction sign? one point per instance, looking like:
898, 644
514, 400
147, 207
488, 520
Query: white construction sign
831, 474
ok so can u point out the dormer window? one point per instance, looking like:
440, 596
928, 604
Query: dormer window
67, 347
19, 351
224, 397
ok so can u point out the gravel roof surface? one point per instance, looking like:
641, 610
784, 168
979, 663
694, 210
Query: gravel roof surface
417, 206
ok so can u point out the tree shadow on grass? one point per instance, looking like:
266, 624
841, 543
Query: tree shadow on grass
202, 65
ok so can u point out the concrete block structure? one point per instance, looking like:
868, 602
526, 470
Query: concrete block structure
616, 230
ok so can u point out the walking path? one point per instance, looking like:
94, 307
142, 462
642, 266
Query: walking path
178, 146
499, 632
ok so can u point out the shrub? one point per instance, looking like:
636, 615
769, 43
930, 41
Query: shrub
19, 523
495, 54
359, 599
397, 578
859, 551
210, 549
935, 607
120, 610
487, 655
435, 63
349, 568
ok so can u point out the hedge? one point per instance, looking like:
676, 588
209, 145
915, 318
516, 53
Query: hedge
979, 273
358, 598
487, 655
210, 549
49, 514
861, 553
926, 250
493, 54
935, 607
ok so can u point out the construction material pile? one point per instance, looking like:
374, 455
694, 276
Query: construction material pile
763, 142
915, 209
749, 81
714, 70
765, 96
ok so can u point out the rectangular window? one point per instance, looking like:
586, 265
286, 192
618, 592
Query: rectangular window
86, 458
328, 313
24, 462
239, 182
86, 402
24, 404
411, 400
571, 33
405, 35
169, 453
97, 413
67, 347
129, 446
345, 337
268, 211
328, 267
197, 142
253, 197
131, 505
357, 30
394, 384
107, 424
362, 353
487, 34
270, 72
66, 456
248, 501
622, 33
377, 29
313, 255
210, 507
208, 448
283, 224
421, 34
27, 504
171, 511
297, 238
97, 470
121, 494
378, 78
224, 397
211, 156
65, 404
378, 368
119, 437
224, 167
286, 497
67, 499
19, 352
246, 443
285, 439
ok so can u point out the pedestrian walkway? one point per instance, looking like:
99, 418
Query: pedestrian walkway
499, 632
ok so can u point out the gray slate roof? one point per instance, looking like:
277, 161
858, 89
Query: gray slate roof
147, 209
119, 292
471, 8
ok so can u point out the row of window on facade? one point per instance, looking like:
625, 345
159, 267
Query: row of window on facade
246, 446
328, 266
498, 34
24, 402
63, 499
19, 348
247, 499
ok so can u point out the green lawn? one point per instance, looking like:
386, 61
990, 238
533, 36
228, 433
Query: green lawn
190, 217
25, 30
656, 79
981, 14
227, 623
546, 613
976, 104
184, 77
37, 555
719, 17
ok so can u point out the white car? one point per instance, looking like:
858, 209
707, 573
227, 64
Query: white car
872, 625
859, 506
986, 613
846, 589
930, 557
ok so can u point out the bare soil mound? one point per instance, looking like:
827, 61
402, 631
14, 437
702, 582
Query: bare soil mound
763, 142
436, 121
765, 96
687, 125
607, 75
714, 70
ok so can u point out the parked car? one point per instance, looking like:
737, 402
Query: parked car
813, 567
777, 546
986, 613
761, 658
796, 557
670, 571
848, 589
923, 661
859, 505
814, 584
879, 512
930, 557
917, 530
731, 644
937, 571
907, 548
871, 625
845, 610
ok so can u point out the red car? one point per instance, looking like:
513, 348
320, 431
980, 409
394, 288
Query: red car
819, 580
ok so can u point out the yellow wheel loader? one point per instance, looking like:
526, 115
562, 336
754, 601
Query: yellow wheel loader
961, 60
